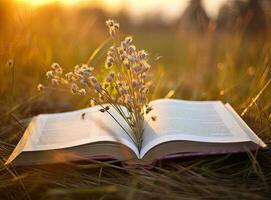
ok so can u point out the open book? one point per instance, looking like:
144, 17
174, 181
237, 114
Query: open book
181, 128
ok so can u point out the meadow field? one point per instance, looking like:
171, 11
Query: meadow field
231, 65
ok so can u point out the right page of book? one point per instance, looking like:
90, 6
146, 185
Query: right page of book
201, 121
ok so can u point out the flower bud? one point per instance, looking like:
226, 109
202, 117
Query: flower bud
98, 87
69, 76
50, 74
93, 80
124, 45
128, 39
132, 49
131, 58
126, 64
40, 87
137, 68
116, 26
82, 92
55, 66
108, 64
74, 88
142, 54
110, 77
109, 23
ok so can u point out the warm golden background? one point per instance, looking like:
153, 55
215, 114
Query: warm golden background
207, 50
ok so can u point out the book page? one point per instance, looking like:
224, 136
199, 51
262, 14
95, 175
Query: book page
245, 127
202, 121
62, 130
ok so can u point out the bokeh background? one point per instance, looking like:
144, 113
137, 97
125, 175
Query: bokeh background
201, 50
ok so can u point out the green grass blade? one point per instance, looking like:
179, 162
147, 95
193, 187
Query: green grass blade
99, 52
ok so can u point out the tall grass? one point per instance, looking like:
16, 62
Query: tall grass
227, 67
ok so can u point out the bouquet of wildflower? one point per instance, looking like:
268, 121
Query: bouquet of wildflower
125, 84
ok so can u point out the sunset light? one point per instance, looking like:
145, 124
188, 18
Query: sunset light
43, 2
168, 8
135, 99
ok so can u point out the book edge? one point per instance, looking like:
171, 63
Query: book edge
244, 125
19, 147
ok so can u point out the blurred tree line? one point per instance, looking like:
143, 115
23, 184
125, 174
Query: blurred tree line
253, 16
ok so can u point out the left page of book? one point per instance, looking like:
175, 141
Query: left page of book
63, 130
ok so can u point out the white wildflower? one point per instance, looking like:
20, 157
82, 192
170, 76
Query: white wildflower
74, 88
50, 74
55, 66
82, 92
142, 54
110, 77
40, 87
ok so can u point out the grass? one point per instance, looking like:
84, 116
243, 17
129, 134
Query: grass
227, 67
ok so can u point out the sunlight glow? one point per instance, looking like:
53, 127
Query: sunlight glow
114, 3
43, 2
169, 9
